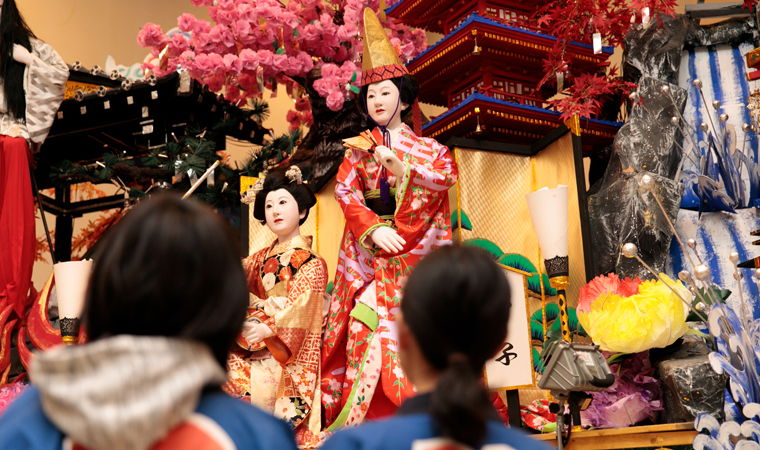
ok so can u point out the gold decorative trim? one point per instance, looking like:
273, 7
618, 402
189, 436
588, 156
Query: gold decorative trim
73, 86
574, 124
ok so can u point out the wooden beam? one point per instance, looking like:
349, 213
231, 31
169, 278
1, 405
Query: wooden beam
654, 436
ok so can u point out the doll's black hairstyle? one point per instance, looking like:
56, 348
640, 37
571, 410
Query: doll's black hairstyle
277, 180
13, 30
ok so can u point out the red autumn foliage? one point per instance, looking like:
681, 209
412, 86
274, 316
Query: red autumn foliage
577, 21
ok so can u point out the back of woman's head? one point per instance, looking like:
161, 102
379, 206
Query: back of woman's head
456, 304
168, 268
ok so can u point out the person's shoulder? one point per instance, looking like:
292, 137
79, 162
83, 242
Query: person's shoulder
248, 426
517, 440
392, 433
24, 424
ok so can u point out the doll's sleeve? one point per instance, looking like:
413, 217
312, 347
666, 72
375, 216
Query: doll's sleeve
438, 173
44, 84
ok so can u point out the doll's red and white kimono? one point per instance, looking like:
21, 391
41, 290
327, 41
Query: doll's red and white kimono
44, 86
361, 375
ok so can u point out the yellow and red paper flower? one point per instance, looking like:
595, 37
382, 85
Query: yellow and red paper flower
630, 316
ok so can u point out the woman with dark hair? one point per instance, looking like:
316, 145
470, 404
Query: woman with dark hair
277, 366
453, 288
33, 79
166, 299
395, 201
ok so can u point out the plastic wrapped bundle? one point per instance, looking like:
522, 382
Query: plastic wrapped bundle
619, 214
656, 51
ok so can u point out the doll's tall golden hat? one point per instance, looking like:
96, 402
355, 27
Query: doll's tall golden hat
379, 59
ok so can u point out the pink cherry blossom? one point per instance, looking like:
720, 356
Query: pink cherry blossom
152, 36
186, 22
232, 64
280, 62
177, 45
335, 100
265, 57
249, 59
239, 49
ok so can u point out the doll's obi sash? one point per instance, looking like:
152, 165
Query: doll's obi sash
383, 210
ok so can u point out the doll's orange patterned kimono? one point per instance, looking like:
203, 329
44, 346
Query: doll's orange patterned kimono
287, 281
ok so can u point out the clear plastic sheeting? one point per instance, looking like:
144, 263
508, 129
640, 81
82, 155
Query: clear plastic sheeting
726, 32
648, 140
656, 51
619, 213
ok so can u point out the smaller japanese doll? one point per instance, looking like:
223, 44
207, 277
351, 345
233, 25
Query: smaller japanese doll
277, 362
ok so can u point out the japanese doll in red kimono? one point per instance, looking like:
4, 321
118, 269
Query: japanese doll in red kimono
395, 201
32, 85
277, 364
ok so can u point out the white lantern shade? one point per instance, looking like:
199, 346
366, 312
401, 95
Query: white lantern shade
71, 280
548, 212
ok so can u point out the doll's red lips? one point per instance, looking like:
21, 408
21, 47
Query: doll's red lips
378, 111
277, 220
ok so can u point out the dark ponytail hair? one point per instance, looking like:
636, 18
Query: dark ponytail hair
456, 304
275, 181
13, 30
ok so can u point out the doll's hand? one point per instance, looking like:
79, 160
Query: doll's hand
387, 239
21, 54
387, 158
256, 332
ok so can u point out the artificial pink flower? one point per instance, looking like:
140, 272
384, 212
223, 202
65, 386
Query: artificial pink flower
186, 22
265, 57
309, 33
280, 62
306, 62
294, 66
215, 83
346, 32
242, 30
222, 34
201, 26
152, 36
232, 64
177, 45
227, 17
199, 3
335, 100
249, 59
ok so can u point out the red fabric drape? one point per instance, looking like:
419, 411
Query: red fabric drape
17, 223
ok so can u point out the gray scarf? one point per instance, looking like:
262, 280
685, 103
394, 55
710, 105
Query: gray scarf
124, 392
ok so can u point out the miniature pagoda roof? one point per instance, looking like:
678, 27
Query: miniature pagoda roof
511, 122
453, 55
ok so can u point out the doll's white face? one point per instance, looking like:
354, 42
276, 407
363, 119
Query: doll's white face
383, 101
282, 215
